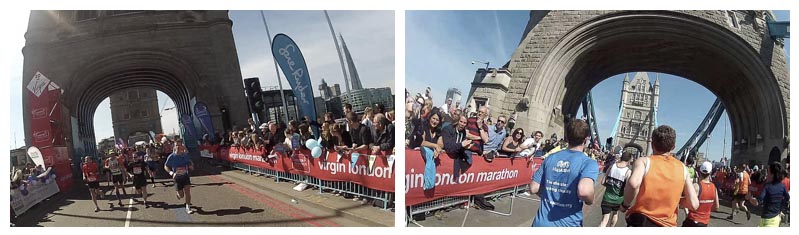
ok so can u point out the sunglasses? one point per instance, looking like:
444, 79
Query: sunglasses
501, 121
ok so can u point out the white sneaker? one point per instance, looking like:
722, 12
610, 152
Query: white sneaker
189, 210
526, 193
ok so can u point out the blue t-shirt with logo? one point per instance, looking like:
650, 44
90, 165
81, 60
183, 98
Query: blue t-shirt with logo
559, 176
179, 163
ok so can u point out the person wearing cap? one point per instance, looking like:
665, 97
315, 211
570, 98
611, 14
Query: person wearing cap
708, 199
262, 130
137, 170
446, 105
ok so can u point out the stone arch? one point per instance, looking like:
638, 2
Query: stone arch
665, 42
128, 69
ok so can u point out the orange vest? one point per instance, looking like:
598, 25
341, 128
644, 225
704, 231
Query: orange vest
743, 186
660, 191
707, 198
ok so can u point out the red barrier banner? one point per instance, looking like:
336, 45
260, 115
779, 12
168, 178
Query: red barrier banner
480, 178
379, 176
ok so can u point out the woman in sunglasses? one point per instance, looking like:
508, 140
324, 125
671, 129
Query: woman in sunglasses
512, 145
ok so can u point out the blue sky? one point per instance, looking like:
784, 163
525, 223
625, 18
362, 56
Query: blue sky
369, 36
441, 44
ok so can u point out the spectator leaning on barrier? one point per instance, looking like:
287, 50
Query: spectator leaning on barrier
384, 141
360, 134
657, 184
565, 181
496, 137
327, 140
305, 134
477, 131
274, 136
512, 145
340, 138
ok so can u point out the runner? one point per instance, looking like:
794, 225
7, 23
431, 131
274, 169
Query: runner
774, 197
90, 176
708, 199
720, 178
151, 158
136, 170
178, 165
116, 172
656, 184
614, 182
567, 178
739, 195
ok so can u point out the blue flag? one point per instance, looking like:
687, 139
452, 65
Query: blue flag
291, 61
189, 133
201, 112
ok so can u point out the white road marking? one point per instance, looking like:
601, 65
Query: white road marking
127, 220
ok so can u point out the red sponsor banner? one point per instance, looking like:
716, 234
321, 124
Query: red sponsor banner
46, 127
57, 158
379, 176
479, 178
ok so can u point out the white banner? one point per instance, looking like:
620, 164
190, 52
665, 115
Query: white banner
36, 156
26, 196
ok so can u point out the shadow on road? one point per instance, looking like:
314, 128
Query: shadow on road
220, 212
224, 212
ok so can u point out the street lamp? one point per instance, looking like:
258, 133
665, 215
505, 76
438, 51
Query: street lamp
481, 62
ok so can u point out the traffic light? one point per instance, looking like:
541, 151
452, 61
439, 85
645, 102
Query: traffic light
252, 87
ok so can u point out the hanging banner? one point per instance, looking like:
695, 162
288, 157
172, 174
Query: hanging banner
45, 111
202, 114
291, 61
189, 133
480, 178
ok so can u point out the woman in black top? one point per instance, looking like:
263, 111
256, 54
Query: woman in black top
431, 137
512, 144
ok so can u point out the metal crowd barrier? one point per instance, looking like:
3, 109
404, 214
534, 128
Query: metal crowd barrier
446, 202
437, 204
387, 198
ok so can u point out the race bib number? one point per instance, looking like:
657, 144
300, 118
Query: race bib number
137, 170
91, 178
116, 171
181, 170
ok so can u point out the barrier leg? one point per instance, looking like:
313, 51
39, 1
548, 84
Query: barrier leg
512, 196
471, 201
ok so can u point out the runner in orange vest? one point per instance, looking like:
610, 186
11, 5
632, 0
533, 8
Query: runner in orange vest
708, 199
741, 190
657, 184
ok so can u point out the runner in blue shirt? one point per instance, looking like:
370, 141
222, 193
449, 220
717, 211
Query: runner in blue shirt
178, 165
565, 181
